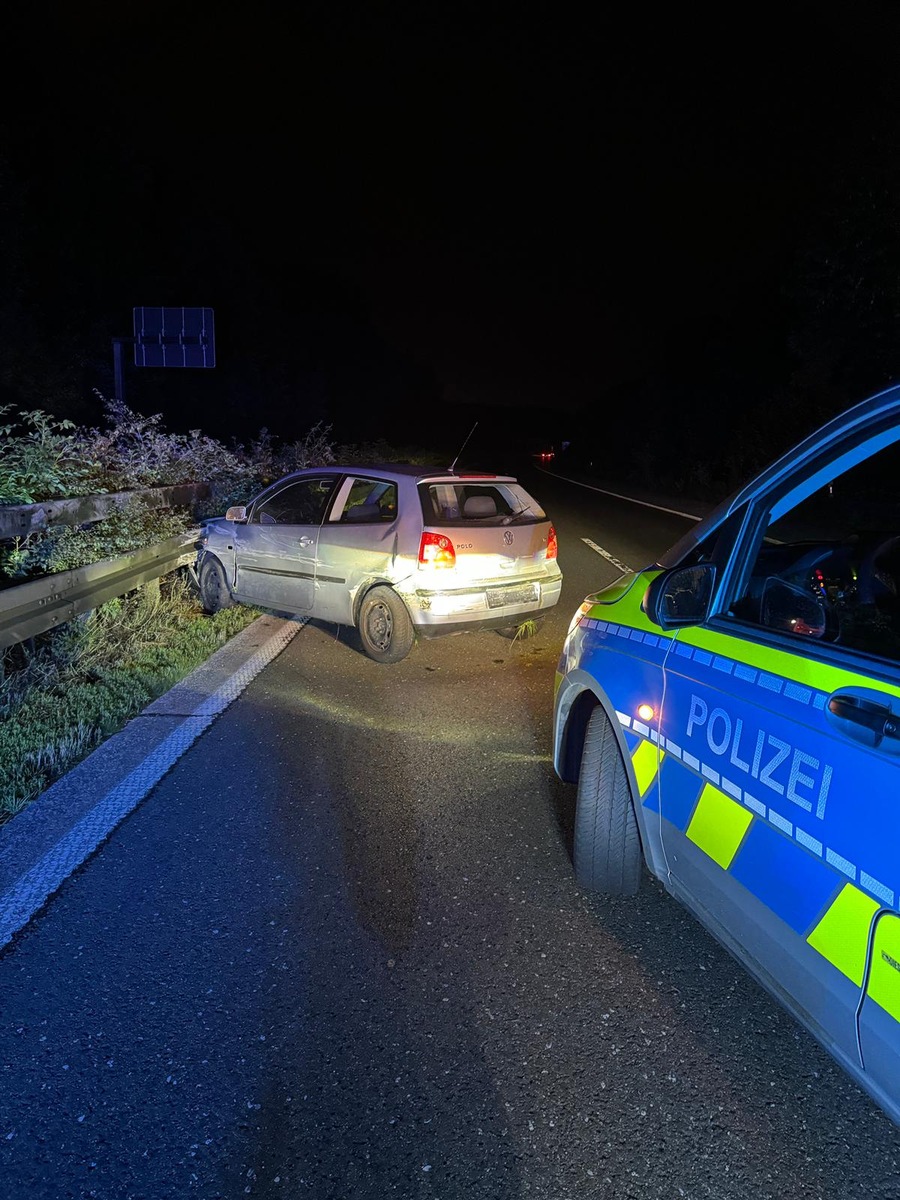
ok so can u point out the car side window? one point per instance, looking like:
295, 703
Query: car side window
828, 569
300, 503
370, 500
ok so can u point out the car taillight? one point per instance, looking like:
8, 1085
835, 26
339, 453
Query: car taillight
436, 550
552, 546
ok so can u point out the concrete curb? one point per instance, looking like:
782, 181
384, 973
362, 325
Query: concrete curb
42, 846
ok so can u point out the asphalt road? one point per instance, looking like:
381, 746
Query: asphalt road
338, 952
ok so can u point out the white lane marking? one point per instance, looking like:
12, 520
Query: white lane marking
676, 512
609, 557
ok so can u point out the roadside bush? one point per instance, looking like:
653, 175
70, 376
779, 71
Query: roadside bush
136, 452
42, 458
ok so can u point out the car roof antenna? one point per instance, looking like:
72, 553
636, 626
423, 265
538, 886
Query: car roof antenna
463, 446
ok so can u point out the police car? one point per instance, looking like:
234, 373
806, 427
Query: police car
731, 716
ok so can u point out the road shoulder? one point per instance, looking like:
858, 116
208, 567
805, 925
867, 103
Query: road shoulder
46, 842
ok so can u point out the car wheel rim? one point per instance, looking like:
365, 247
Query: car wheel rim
381, 626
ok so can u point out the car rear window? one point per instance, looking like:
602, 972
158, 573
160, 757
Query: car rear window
461, 502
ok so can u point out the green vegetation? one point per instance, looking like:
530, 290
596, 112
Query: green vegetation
83, 682
527, 629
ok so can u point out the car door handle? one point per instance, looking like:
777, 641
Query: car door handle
304, 541
872, 719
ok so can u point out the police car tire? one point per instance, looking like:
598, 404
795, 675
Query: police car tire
214, 592
608, 856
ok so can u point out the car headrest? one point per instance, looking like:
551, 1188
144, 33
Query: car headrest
480, 506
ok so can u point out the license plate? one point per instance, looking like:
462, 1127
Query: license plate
525, 593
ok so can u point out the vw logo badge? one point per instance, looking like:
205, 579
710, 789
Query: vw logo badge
508, 537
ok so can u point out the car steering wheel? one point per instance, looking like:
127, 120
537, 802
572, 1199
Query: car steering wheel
865, 577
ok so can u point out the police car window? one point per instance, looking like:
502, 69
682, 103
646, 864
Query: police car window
716, 546
300, 503
828, 570
704, 551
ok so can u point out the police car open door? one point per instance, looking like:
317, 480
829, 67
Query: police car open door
779, 776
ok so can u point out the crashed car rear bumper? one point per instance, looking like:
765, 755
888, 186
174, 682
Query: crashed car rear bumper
485, 607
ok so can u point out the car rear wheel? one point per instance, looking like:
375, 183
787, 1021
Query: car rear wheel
214, 592
384, 626
608, 854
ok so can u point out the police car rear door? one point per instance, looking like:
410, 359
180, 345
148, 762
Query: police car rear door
779, 777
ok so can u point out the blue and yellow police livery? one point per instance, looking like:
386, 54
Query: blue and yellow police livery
732, 718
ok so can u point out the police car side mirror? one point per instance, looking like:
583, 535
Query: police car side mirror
680, 596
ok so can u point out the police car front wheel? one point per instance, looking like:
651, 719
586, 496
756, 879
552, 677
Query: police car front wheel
607, 847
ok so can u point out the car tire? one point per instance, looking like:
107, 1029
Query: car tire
385, 627
607, 848
215, 594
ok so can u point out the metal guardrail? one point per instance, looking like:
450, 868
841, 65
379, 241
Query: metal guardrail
41, 604
20, 520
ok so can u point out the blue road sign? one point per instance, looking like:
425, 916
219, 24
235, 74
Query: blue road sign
174, 337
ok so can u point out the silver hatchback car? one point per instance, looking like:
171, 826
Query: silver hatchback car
395, 551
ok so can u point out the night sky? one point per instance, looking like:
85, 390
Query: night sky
571, 221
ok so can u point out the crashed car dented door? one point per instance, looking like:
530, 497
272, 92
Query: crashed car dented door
275, 549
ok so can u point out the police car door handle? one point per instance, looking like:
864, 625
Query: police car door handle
874, 718
304, 541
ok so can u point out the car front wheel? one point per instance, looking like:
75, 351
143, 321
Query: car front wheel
385, 627
214, 592
608, 856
